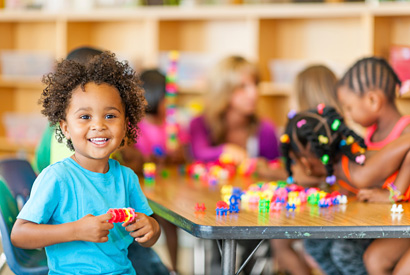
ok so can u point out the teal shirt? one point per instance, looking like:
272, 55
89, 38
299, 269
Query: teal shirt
65, 192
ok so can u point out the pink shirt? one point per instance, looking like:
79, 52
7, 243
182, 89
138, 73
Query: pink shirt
154, 135
394, 134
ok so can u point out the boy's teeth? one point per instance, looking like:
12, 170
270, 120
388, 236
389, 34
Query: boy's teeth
98, 140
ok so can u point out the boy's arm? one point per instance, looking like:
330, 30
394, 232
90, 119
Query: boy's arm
29, 235
381, 165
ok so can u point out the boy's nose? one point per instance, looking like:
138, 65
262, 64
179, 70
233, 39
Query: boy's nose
98, 125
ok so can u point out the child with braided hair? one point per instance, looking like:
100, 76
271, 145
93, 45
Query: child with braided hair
367, 92
319, 139
324, 143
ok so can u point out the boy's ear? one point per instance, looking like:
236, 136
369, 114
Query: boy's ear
64, 129
126, 124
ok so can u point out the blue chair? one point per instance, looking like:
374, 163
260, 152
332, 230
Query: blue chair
19, 176
20, 261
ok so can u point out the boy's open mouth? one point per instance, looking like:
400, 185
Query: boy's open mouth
98, 141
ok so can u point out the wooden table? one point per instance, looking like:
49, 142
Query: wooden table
174, 198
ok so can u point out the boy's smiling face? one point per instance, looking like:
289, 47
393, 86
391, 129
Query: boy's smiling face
95, 123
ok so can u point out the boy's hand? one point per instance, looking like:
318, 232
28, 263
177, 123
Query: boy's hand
93, 228
144, 229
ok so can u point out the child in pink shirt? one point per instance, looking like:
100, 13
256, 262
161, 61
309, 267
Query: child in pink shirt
367, 92
151, 145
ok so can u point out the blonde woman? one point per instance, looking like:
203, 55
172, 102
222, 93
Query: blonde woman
229, 123
314, 85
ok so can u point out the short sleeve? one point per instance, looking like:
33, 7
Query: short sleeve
43, 199
137, 199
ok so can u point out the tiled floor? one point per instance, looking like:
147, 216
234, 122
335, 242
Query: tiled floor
185, 252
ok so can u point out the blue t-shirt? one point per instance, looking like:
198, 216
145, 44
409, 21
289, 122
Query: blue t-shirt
65, 192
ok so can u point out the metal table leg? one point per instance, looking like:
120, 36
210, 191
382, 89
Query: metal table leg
228, 257
199, 256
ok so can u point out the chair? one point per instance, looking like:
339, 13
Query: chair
19, 176
20, 261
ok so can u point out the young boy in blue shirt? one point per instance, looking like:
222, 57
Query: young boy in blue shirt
97, 106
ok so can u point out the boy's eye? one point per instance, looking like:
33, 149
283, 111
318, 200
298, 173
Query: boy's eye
85, 117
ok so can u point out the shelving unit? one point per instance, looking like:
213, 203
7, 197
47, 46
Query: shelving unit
340, 33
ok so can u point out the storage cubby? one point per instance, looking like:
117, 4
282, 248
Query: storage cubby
388, 31
317, 40
126, 38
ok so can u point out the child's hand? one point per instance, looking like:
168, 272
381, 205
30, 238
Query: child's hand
262, 167
93, 228
144, 229
374, 195
236, 152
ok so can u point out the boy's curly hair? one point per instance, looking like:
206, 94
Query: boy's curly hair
103, 68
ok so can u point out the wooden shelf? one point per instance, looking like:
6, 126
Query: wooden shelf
21, 82
327, 33
405, 95
275, 89
8, 147
265, 89
291, 10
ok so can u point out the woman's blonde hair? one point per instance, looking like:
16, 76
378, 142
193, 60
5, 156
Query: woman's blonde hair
314, 85
225, 77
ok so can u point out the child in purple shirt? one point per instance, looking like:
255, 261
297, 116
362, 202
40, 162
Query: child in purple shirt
263, 144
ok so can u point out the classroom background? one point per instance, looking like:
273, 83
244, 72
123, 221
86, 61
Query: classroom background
281, 36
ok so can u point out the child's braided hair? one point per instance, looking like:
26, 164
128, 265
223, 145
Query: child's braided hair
372, 73
326, 133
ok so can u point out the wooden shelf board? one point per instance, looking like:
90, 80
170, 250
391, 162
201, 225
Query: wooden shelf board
20, 82
265, 89
275, 89
405, 95
292, 10
6, 146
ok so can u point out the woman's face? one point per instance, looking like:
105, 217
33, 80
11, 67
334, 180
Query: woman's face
245, 96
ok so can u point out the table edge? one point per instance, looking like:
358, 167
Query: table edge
284, 232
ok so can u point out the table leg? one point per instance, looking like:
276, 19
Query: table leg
228, 257
199, 256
